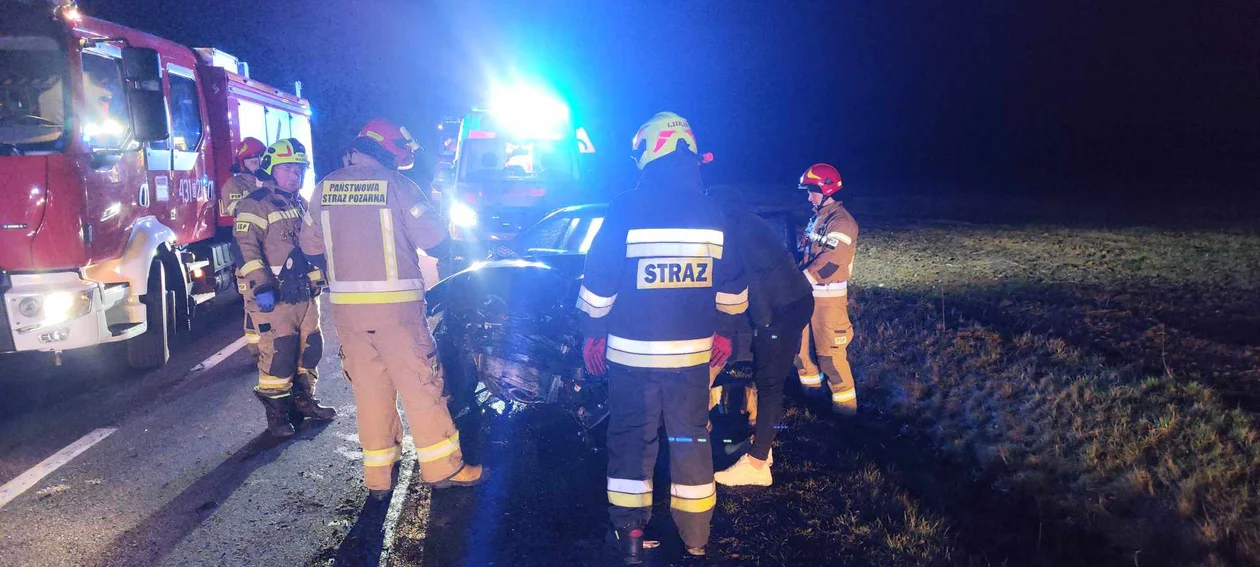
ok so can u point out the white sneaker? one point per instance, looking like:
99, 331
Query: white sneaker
743, 473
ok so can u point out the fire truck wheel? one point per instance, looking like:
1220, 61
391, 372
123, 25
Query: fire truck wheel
153, 348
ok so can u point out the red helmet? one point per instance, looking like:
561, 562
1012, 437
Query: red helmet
394, 139
250, 148
823, 177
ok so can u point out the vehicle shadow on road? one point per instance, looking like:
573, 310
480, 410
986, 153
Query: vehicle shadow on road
149, 542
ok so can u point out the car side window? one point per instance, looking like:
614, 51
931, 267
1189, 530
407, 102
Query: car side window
581, 238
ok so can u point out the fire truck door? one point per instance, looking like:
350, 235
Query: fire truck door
191, 213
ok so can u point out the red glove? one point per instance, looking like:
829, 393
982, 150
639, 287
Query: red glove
593, 352
721, 351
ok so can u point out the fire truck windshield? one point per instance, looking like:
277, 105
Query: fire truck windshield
32, 94
502, 159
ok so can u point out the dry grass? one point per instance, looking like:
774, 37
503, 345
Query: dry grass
1108, 375
829, 505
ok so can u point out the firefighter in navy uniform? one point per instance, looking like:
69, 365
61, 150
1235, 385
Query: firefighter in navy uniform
248, 157
661, 296
827, 260
366, 224
284, 289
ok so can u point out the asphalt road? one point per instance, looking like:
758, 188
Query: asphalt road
186, 474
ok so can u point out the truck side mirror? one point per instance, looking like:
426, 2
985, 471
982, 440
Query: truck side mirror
143, 72
141, 65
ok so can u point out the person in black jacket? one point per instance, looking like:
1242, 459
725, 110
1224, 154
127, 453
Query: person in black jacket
780, 303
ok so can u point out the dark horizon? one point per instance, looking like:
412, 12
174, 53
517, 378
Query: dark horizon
925, 93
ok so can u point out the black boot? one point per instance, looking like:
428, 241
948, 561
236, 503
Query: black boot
628, 543
304, 399
277, 414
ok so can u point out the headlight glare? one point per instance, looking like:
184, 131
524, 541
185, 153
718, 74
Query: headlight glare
61, 306
462, 215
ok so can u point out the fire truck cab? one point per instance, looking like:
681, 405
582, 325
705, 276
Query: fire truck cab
512, 164
113, 145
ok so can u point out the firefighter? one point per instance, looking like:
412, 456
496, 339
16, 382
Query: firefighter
780, 303
661, 295
283, 288
364, 228
248, 156
827, 261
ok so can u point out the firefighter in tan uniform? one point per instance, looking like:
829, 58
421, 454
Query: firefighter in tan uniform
248, 157
284, 288
364, 227
829, 244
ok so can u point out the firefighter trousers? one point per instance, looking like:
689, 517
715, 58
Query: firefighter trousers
289, 342
828, 335
251, 330
387, 351
251, 334
639, 398
773, 351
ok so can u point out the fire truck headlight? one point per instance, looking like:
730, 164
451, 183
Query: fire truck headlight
62, 306
31, 307
462, 215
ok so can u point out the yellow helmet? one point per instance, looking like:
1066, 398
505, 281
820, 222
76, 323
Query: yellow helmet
288, 150
662, 136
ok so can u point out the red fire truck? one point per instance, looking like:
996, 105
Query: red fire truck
113, 145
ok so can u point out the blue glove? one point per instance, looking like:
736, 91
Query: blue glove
266, 301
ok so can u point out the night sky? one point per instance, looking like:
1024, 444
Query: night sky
1038, 94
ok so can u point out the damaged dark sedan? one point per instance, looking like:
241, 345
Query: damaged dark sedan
507, 327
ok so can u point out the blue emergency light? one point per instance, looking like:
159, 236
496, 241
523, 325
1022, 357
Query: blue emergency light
526, 111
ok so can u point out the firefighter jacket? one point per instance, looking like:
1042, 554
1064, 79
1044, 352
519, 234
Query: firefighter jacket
365, 225
660, 279
268, 221
828, 249
774, 281
236, 188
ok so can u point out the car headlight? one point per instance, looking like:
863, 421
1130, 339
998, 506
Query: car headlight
462, 215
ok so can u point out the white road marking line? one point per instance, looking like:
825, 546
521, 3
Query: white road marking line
220, 356
26, 480
401, 489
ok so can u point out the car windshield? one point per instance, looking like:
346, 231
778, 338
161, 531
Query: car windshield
32, 93
498, 159
559, 234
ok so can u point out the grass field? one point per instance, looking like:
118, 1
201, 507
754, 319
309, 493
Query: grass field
1106, 378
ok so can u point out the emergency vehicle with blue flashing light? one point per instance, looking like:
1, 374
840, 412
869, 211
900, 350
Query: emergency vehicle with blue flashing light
512, 163
113, 145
